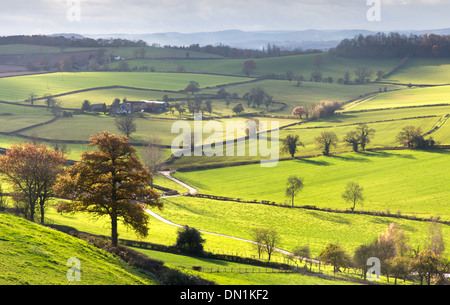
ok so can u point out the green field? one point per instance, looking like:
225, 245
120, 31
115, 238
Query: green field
410, 182
423, 72
228, 273
17, 89
405, 98
33, 255
300, 65
297, 227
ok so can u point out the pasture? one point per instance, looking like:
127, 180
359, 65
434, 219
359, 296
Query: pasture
35, 255
423, 72
297, 227
409, 182
17, 89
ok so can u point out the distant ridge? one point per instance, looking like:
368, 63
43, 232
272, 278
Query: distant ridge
305, 39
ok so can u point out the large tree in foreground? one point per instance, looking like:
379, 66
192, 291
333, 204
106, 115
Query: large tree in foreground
111, 181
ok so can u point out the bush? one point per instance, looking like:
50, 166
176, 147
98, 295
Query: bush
189, 240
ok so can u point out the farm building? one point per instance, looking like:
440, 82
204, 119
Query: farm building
142, 106
98, 107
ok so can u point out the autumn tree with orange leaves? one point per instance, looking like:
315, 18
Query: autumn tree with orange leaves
111, 181
32, 171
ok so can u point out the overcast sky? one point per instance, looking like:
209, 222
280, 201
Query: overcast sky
152, 16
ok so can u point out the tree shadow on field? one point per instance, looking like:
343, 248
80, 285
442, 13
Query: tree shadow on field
387, 221
206, 260
437, 151
180, 206
313, 162
352, 157
329, 216
385, 154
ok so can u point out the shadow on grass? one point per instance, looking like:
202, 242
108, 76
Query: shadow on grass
436, 151
385, 154
313, 161
180, 206
350, 157
326, 216
211, 261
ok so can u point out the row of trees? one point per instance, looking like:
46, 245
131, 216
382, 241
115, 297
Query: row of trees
410, 137
63, 42
324, 142
271, 50
396, 256
353, 191
316, 111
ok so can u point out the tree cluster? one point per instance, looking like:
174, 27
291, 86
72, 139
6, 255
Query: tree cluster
265, 241
322, 110
257, 97
412, 137
359, 137
399, 260
231, 52
61, 41
394, 45
396, 257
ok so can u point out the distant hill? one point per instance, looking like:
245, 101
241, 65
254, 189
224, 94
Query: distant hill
307, 39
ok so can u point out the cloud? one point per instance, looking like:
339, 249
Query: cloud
150, 16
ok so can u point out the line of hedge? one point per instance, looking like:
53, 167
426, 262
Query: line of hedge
401, 107
397, 67
311, 207
165, 275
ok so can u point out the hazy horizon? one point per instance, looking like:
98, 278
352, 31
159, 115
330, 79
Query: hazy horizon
88, 17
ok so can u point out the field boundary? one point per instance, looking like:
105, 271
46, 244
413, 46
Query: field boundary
310, 207
438, 125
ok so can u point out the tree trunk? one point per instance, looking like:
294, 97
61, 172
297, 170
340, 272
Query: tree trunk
114, 235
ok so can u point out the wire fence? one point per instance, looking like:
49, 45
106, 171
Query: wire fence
239, 270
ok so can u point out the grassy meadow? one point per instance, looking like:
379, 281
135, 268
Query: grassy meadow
409, 182
18, 88
423, 72
33, 255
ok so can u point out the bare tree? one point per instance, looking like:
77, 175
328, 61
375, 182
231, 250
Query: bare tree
126, 125
266, 240
363, 75
258, 236
435, 239
353, 194
294, 186
153, 155
271, 238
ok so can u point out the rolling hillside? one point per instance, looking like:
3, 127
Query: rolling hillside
34, 255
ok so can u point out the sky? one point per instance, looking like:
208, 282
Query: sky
29, 17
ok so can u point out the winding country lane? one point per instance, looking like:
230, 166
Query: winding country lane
194, 191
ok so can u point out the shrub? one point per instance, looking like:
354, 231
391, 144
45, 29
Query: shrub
189, 240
